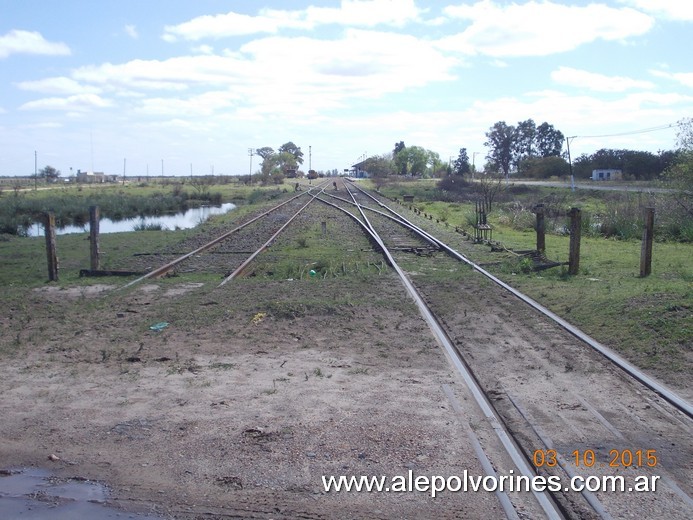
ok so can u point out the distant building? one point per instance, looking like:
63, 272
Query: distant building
94, 177
608, 174
358, 170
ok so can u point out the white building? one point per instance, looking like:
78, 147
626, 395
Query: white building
608, 174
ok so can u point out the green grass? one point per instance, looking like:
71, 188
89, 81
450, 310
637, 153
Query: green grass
648, 319
23, 260
70, 203
299, 251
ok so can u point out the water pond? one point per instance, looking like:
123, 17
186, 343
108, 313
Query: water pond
189, 219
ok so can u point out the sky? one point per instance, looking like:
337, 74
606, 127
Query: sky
177, 86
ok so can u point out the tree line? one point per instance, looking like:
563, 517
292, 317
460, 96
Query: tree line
526, 150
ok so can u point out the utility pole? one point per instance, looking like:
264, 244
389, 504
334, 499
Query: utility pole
35, 169
251, 152
570, 162
124, 162
474, 154
310, 158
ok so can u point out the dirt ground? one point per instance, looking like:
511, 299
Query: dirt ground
241, 403
193, 401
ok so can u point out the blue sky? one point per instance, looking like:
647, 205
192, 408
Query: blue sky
89, 84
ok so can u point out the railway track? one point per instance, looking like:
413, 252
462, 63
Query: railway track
225, 253
549, 401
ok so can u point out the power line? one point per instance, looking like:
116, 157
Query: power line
632, 132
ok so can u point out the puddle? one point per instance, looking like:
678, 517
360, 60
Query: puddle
34, 494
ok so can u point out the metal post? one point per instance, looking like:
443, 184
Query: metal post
95, 254
51, 247
541, 229
575, 230
647, 239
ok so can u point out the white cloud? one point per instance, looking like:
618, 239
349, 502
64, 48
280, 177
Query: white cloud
266, 75
363, 64
680, 10
206, 104
355, 13
539, 28
171, 74
365, 13
597, 82
45, 124
77, 103
131, 31
30, 42
220, 26
58, 85
685, 78
203, 49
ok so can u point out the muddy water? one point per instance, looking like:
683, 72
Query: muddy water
34, 494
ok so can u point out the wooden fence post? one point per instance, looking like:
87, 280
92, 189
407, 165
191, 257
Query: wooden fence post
647, 238
51, 248
541, 228
575, 230
94, 215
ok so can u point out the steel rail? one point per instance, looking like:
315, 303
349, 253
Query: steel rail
395, 219
547, 503
659, 388
264, 246
160, 271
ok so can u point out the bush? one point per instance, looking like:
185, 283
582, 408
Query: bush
454, 184
152, 226
517, 216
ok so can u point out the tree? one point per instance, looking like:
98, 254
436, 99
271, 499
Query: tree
265, 152
412, 160
680, 174
294, 150
641, 165
269, 166
500, 138
378, 166
684, 135
545, 167
635, 164
399, 158
523, 145
436, 167
286, 161
461, 165
549, 141
490, 186
49, 173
